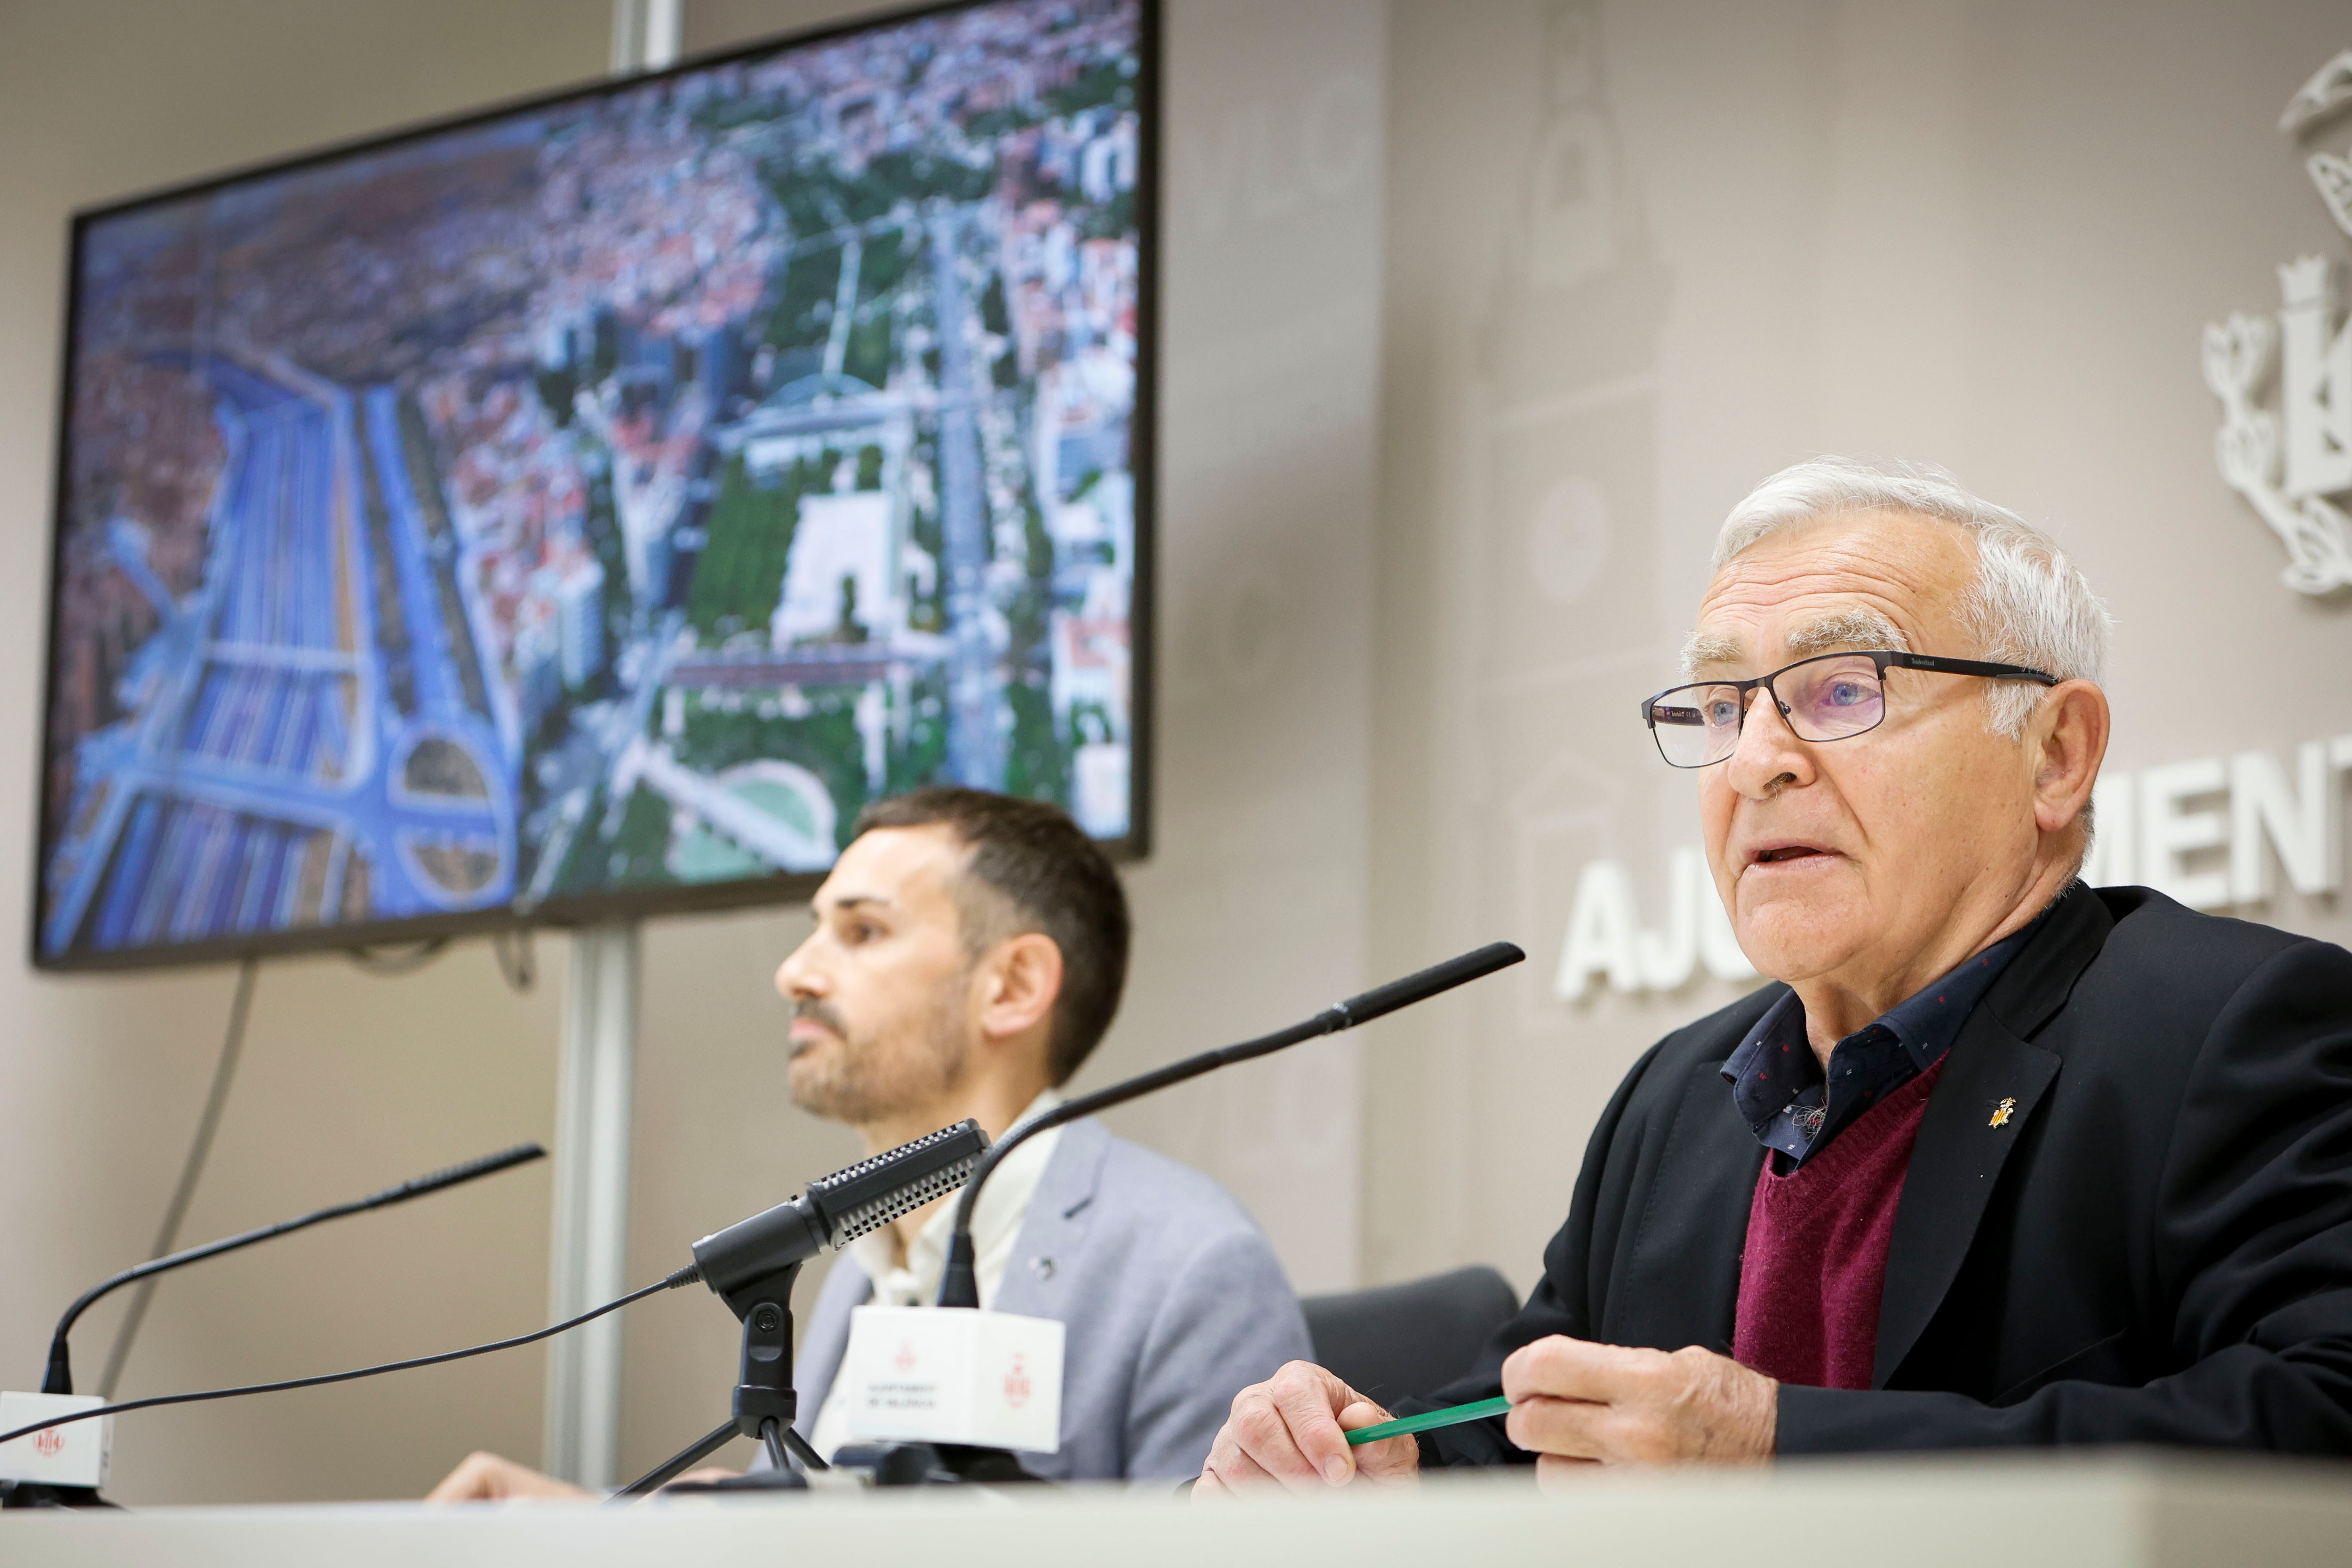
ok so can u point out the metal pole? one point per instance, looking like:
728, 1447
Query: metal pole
646, 35
589, 1251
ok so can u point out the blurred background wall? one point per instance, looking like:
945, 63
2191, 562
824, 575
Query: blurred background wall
348, 1081
1478, 316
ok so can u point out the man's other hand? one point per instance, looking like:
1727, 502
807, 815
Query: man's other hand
1574, 1404
487, 1477
1290, 1431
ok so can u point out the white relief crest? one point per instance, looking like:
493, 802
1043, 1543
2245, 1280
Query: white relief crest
2289, 465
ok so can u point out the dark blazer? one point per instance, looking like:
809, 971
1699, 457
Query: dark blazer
2154, 1247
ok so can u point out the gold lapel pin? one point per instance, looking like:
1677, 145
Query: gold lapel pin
2001, 1113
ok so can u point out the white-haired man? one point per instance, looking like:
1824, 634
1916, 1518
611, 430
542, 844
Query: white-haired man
2002, 1160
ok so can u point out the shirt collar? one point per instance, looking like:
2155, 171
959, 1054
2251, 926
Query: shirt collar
1929, 1019
996, 1219
1774, 1062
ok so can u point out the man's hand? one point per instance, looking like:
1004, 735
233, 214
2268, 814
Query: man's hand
1290, 1431
487, 1477
1574, 1403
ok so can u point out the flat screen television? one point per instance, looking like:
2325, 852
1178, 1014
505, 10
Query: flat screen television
580, 510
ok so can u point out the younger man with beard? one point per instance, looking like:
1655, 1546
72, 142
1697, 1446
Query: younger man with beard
969, 953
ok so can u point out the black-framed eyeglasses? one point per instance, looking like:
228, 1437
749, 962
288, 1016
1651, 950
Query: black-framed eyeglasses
1834, 696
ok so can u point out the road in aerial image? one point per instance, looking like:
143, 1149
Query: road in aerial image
613, 496
247, 793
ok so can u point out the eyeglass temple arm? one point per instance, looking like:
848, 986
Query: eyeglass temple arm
1963, 667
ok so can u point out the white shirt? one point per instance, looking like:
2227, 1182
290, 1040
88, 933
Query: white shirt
996, 1220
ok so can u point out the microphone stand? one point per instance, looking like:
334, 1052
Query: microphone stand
765, 1402
752, 1267
959, 1287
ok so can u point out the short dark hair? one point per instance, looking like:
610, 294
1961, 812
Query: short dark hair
1057, 880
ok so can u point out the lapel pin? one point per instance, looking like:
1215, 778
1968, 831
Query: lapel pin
2001, 1113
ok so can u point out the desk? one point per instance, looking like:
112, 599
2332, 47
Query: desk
2098, 1512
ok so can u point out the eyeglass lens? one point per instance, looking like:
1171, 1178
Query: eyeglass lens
1825, 700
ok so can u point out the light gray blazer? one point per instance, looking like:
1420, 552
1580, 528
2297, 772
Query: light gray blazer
1172, 1298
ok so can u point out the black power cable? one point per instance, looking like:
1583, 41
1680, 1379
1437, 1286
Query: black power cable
685, 1276
207, 1124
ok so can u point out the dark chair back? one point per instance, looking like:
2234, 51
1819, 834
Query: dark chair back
1398, 1342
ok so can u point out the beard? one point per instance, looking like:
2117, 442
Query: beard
860, 1078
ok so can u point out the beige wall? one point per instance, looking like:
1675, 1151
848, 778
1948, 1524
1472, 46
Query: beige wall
1984, 235
349, 1082
1252, 912
1449, 418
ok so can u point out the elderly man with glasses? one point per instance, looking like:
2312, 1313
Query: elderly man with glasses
2000, 1159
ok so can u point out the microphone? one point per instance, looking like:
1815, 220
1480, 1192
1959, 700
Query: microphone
751, 1266
837, 1209
71, 1473
737, 1263
958, 1285
59, 1377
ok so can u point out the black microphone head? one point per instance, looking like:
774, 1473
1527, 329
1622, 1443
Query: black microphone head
873, 1192
835, 1210
520, 1155
1428, 982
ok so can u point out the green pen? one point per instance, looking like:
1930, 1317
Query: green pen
1429, 1420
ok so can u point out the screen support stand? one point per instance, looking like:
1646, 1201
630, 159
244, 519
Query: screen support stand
645, 35
582, 1438
582, 1442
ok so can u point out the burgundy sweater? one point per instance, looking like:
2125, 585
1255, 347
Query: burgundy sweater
1815, 1262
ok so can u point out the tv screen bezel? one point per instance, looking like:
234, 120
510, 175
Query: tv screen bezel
603, 907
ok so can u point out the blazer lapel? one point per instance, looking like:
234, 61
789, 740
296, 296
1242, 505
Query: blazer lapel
1990, 1084
1053, 1230
1681, 1287
1993, 1079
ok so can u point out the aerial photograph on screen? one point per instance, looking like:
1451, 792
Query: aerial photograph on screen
605, 498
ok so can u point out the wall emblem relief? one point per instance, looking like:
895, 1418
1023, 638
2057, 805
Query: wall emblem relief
2293, 465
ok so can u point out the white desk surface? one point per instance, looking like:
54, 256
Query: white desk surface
2119, 1511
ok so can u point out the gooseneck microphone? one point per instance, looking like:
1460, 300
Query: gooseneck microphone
59, 1377
959, 1287
741, 1263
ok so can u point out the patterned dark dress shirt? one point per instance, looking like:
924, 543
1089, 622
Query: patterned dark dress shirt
1796, 1108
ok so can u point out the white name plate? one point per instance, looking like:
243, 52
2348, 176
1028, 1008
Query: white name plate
935, 1374
75, 1456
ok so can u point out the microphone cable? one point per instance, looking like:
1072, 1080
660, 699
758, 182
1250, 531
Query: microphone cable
689, 1275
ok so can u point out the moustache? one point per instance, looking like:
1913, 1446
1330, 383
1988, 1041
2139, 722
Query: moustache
819, 1012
